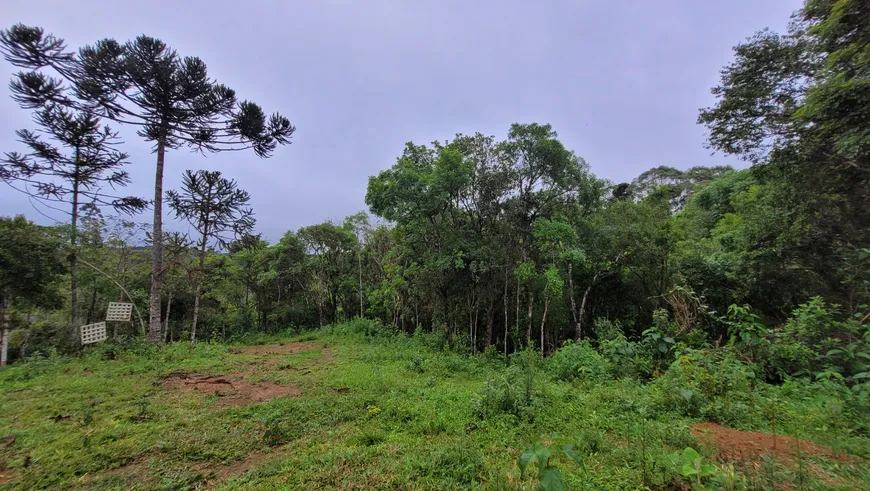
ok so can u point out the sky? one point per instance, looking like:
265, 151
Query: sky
621, 81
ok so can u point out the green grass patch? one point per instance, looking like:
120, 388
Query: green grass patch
381, 412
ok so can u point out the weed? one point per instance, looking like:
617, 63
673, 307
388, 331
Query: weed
692, 466
415, 364
143, 403
274, 433
549, 477
370, 438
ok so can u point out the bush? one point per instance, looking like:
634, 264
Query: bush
606, 330
626, 359
513, 390
713, 384
814, 343
434, 340
578, 361
359, 326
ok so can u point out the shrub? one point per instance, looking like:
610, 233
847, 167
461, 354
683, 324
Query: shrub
606, 330
359, 326
709, 383
626, 359
434, 340
814, 343
416, 364
578, 361
502, 395
513, 390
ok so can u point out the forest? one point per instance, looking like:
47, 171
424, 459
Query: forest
718, 293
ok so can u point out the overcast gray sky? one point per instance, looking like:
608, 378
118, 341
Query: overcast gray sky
620, 80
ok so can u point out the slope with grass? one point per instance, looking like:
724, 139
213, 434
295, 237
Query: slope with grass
355, 407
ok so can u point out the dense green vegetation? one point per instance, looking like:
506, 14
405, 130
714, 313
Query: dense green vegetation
501, 303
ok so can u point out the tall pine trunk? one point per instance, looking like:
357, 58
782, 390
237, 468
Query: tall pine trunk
155, 319
198, 285
73, 268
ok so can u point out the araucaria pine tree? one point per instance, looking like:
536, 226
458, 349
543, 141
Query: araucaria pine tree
169, 99
71, 159
216, 208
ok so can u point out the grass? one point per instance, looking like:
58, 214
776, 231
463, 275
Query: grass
376, 412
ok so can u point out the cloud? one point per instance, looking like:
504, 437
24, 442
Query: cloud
620, 81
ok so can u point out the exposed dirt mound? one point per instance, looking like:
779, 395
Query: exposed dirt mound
275, 349
230, 389
739, 446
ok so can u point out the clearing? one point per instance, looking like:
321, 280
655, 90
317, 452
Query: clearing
347, 411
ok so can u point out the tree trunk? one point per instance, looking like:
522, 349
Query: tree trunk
359, 262
543, 322
476, 330
166, 322
531, 307
4, 338
505, 315
93, 305
73, 267
571, 291
155, 319
471, 321
320, 303
581, 313
490, 321
517, 317
198, 286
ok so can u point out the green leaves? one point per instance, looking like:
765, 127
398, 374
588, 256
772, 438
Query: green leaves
692, 465
213, 205
539, 453
572, 453
549, 477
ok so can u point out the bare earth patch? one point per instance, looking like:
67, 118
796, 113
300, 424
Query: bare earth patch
275, 349
739, 446
5, 477
269, 355
230, 389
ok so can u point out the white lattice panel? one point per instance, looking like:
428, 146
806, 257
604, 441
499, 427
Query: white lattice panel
93, 333
119, 312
